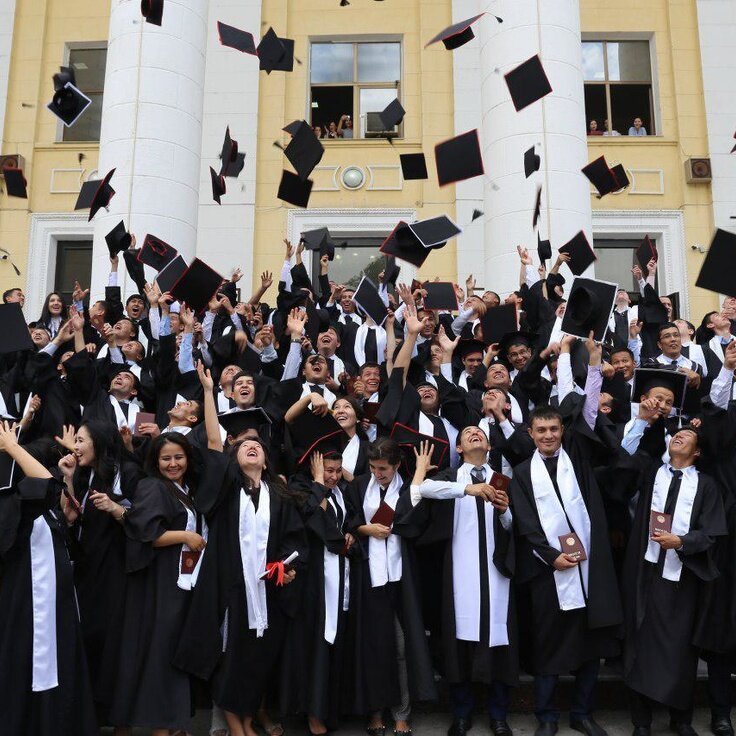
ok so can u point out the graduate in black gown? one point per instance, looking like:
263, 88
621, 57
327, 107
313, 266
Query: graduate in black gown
103, 485
390, 663
473, 520
43, 670
165, 533
235, 629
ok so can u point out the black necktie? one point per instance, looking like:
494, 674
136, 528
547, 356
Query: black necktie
621, 322
478, 475
371, 348
672, 492
317, 389
331, 366
124, 408
382, 491
685, 350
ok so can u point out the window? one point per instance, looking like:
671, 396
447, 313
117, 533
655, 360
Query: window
89, 71
615, 260
354, 81
618, 85
358, 258
73, 263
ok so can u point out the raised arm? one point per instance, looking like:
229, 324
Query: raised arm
31, 467
212, 425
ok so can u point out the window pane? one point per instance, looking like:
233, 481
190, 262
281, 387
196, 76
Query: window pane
373, 101
593, 61
629, 101
379, 62
360, 256
628, 61
329, 104
595, 106
73, 263
615, 258
89, 71
331, 62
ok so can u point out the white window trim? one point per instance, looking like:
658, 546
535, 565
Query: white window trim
47, 229
667, 227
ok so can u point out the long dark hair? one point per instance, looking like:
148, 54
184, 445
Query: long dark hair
46, 314
191, 477
359, 414
108, 449
704, 333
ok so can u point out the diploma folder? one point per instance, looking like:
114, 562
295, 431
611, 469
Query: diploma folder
570, 544
384, 515
660, 523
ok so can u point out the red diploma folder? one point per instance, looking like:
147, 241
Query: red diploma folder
384, 515
370, 409
189, 560
500, 481
143, 418
571, 545
660, 523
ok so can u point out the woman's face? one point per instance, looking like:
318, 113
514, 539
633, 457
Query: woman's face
344, 414
383, 471
84, 450
55, 305
251, 456
172, 462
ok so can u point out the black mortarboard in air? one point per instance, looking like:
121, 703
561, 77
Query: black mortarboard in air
622, 180
304, 151
476, 215
527, 83
84, 198
292, 127
537, 207
458, 158
68, 103
408, 439
645, 379
531, 162
497, 322
458, 34
581, 254
153, 11
314, 239
229, 153
435, 231
15, 183
95, 194
293, 190
440, 295
15, 329
391, 271
392, 115
413, 166
366, 296
312, 433
402, 243
234, 38
64, 76
156, 253
238, 421
589, 306
718, 272
645, 252
118, 239
218, 185
276, 54
197, 286
544, 249
600, 176
135, 268
170, 274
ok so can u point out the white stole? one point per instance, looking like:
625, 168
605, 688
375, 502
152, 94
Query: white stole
133, 410
384, 555
350, 454
462, 380
328, 396
426, 427
43, 596
187, 580
253, 527
332, 577
717, 346
223, 403
570, 592
338, 366
359, 348
466, 570
680, 519
485, 425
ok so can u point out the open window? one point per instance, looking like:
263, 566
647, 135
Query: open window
89, 71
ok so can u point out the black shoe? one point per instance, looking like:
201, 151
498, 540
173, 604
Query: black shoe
460, 726
546, 728
642, 731
502, 728
683, 729
721, 726
588, 726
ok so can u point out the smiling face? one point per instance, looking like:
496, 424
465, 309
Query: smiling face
133, 350
172, 462
670, 342
472, 361
684, 446
383, 471
719, 321
123, 385
344, 414
184, 411
622, 362
664, 397
40, 337
428, 399
490, 397
333, 472
227, 375
316, 369
429, 324
251, 456
346, 301
497, 376
371, 377
519, 355
244, 392
55, 305
547, 434
135, 307
84, 449
328, 342
123, 330
472, 438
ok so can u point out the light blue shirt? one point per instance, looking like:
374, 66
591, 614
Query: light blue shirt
634, 131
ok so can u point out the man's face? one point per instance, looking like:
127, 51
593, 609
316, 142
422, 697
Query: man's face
328, 343
471, 362
135, 308
729, 306
40, 337
226, 377
333, 472
472, 438
123, 329
244, 392
670, 342
684, 444
175, 322
16, 297
428, 398
664, 397
547, 435
719, 321
497, 376
435, 356
430, 322
622, 298
185, 411
371, 377
491, 299
133, 350
315, 369
346, 301
490, 399
97, 310
68, 354
623, 363
123, 384
519, 355
667, 305
605, 403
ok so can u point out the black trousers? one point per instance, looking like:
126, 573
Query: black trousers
720, 690
641, 711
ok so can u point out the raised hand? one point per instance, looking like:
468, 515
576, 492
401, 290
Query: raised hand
266, 280
524, 256
205, 377
237, 275
289, 249
448, 346
66, 440
317, 466
295, 323
424, 458
78, 294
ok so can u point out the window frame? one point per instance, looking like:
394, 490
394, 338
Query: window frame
356, 85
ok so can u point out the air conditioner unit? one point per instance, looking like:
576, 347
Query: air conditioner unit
375, 128
12, 161
698, 170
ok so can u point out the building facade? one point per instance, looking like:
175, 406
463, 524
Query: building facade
163, 97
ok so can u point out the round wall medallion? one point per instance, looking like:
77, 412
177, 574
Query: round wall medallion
353, 177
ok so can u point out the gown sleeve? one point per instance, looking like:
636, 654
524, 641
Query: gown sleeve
149, 517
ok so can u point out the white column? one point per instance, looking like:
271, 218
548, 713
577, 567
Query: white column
557, 123
152, 126
7, 23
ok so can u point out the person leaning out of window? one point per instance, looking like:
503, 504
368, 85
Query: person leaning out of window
593, 128
637, 128
345, 127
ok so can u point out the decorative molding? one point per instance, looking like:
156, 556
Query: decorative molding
657, 172
46, 230
667, 227
335, 185
384, 167
53, 189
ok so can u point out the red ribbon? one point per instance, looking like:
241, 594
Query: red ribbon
275, 569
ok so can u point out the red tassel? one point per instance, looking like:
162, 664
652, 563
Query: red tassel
276, 569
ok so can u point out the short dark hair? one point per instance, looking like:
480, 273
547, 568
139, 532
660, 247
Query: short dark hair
9, 292
368, 364
667, 326
134, 296
333, 455
386, 449
249, 374
544, 412
622, 349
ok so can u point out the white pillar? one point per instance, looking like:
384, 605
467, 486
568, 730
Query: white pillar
7, 24
152, 126
557, 122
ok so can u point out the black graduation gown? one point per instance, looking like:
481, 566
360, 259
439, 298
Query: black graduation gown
372, 679
66, 710
554, 641
662, 616
468, 661
150, 691
240, 667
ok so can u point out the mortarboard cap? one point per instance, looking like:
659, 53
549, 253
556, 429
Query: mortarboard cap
15, 183
618, 387
293, 190
292, 127
276, 54
391, 271
366, 296
456, 35
64, 76
600, 176
476, 215
717, 272
101, 197
15, 329
197, 285
652, 313
581, 254
531, 162
68, 103
440, 295
234, 168
304, 151
413, 166
645, 379
622, 180
218, 185
310, 433
468, 347
459, 158
589, 307
403, 244
518, 337
315, 239
170, 274
527, 83
240, 420
156, 253
645, 252
392, 115
544, 249
537, 207
153, 11
229, 153
408, 439
497, 322
135, 269
435, 231
234, 38
118, 239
